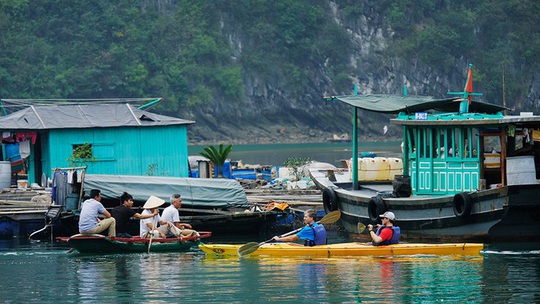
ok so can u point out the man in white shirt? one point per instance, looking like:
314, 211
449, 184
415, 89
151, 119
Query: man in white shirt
170, 214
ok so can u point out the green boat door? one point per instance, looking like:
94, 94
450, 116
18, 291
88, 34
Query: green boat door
443, 159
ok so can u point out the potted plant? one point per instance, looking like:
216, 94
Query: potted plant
217, 156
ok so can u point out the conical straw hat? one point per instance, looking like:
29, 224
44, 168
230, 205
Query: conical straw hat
153, 202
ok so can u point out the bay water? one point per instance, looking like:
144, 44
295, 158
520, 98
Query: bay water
276, 154
44, 272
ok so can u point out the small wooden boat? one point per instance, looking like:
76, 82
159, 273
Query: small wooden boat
97, 243
347, 249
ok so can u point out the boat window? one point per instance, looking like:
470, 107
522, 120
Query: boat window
421, 142
434, 142
475, 136
424, 141
492, 144
452, 142
411, 137
440, 135
470, 144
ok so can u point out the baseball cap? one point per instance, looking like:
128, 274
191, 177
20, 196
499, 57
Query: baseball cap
389, 215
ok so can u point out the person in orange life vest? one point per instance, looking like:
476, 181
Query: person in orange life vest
312, 234
387, 233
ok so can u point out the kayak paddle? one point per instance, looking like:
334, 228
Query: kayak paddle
361, 227
250, 247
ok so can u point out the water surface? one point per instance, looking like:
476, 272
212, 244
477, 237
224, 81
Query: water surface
41, 272
276, 154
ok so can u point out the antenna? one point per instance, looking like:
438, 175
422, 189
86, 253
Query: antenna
504, 86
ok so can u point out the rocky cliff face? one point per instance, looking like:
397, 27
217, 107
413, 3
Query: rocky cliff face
271, 112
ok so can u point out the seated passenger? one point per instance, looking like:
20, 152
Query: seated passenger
312, 234
149, 226
386, 233
170, 214
123, 213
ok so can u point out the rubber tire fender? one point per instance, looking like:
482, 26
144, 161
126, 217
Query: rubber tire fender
376, 207
462, 205
329, 200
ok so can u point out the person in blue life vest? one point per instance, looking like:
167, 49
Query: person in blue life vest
387, 233
312, 234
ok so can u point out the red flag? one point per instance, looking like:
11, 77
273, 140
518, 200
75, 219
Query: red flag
468, 86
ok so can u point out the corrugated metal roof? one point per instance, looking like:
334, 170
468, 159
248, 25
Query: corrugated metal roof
82, 116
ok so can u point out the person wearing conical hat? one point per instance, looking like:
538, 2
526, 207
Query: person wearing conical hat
124, 213
150, 225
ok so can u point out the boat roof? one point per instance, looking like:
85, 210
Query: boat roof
393, 104
469, 119
80, 116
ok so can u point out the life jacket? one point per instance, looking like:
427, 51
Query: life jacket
320, 235
396, 232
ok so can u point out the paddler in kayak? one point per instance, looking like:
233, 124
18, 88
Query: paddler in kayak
312, 234
386, 233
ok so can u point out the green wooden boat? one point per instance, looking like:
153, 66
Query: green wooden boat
468, 171
97, 243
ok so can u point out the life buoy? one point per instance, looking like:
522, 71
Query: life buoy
376, 207
462, 205
330, 199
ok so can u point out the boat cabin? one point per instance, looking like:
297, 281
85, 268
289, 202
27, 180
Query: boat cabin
455, 144
450, 152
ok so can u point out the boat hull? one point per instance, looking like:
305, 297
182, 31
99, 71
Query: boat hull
347, 249
522, 221
421, 218
100, 244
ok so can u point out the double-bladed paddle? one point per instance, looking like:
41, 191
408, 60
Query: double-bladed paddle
251, 247
361, 227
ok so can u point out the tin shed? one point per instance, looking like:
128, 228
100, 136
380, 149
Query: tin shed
122, 139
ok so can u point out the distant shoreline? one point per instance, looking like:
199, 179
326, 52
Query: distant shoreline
284, 141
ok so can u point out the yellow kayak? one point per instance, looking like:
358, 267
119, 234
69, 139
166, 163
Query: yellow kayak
346, 249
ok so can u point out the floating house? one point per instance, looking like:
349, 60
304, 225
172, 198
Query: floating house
118, 138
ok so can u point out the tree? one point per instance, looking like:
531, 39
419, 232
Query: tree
217, 157
296, 164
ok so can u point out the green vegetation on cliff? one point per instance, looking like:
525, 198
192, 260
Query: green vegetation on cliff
203, 56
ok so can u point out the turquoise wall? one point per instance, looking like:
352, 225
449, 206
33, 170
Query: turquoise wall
159, 150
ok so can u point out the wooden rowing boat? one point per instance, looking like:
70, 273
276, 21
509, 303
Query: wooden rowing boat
347, 249
97, 243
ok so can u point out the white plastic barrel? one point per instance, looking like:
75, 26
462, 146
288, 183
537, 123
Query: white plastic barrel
5, 174
373, 169
396, 167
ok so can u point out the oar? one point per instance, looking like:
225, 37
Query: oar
361, 227
251, 247
152, 233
